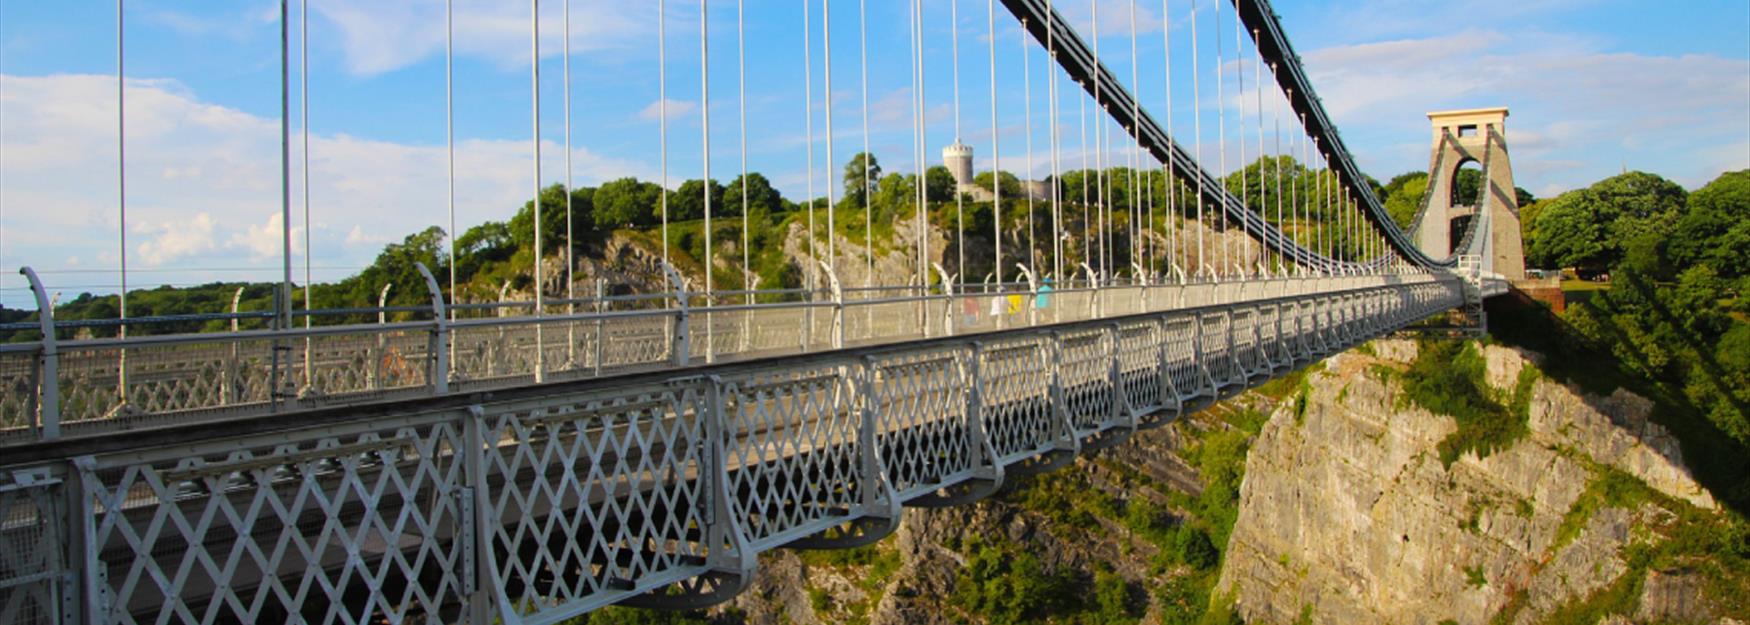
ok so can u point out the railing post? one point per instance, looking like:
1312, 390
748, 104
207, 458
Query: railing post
439, 376
680, 346
48, 393
229, 394
947, 290
729, 549
838, 306
1032, 295
1120, 409
382, 340
601, 338
1094, 293
474, 510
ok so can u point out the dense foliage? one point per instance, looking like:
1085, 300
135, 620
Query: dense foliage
1593, 228
1679, 266
1447, 378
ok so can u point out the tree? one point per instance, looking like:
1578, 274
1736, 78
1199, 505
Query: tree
396, 265
939, 184
1590, 228
1011, 186
760, 195
688, 202
486, 243
1715, 230
896, 194
626, 202
553, 219
1404, 197
862, 174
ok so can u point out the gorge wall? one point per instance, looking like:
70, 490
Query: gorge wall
1318, 498
1349, 514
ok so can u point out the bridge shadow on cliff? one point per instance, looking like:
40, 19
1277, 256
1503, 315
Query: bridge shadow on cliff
1719, 462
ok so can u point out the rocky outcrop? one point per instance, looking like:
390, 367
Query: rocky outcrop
1348, 514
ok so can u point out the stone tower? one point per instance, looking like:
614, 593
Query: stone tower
1462, 137
958, 159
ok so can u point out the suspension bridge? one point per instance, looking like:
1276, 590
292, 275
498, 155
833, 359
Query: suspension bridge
529, 462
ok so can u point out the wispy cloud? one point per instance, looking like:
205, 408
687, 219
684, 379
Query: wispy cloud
386, 35
203, 182
675, 109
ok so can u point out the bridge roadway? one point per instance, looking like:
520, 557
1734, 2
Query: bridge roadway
538, 503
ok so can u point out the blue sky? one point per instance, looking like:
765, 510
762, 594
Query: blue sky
1593, 85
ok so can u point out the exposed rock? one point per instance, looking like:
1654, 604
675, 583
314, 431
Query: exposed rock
1401, 351
1672, 596
1349, 511
1614, 431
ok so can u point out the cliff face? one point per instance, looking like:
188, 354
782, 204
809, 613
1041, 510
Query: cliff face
1340, 509
1348, 514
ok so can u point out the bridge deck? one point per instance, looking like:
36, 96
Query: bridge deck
536, 503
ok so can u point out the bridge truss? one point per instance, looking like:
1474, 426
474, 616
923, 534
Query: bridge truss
482, 469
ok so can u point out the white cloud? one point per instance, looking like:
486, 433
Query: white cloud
357, 236
172, 241
204, 183
386, 35
1576, 113
676, 109
1114, 17
266, 240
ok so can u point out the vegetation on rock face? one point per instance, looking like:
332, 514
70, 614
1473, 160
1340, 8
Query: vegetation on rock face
1675, 324
1447, 379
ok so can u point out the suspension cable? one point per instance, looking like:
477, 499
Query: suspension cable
996, 167
1088, 257
450, 141
570, 240
121, 175
1281, 226
1056, 163
1264, 205
1105, 213
741, 93
868, 190
923, 163
304, 129
535, 147
832, 259
1027, 100
662, 113
1197, 129
1136, 244
285, 303
1167, 181
1088, 253
705, 142
1221, 142
959, 202
808, 107
1240, 138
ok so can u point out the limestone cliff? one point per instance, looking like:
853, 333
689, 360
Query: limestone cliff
1348, 514
1340, 509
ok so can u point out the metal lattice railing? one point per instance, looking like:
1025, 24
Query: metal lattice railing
224, 375
536, 505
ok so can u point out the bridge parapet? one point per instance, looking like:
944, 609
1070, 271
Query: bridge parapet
226, 375
538, 503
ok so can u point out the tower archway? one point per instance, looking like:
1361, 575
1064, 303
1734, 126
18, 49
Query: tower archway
1471, 140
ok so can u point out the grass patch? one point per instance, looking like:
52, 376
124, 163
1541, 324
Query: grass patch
1278, 389
1447, 379
873, 566
1610, 488
1473, 576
